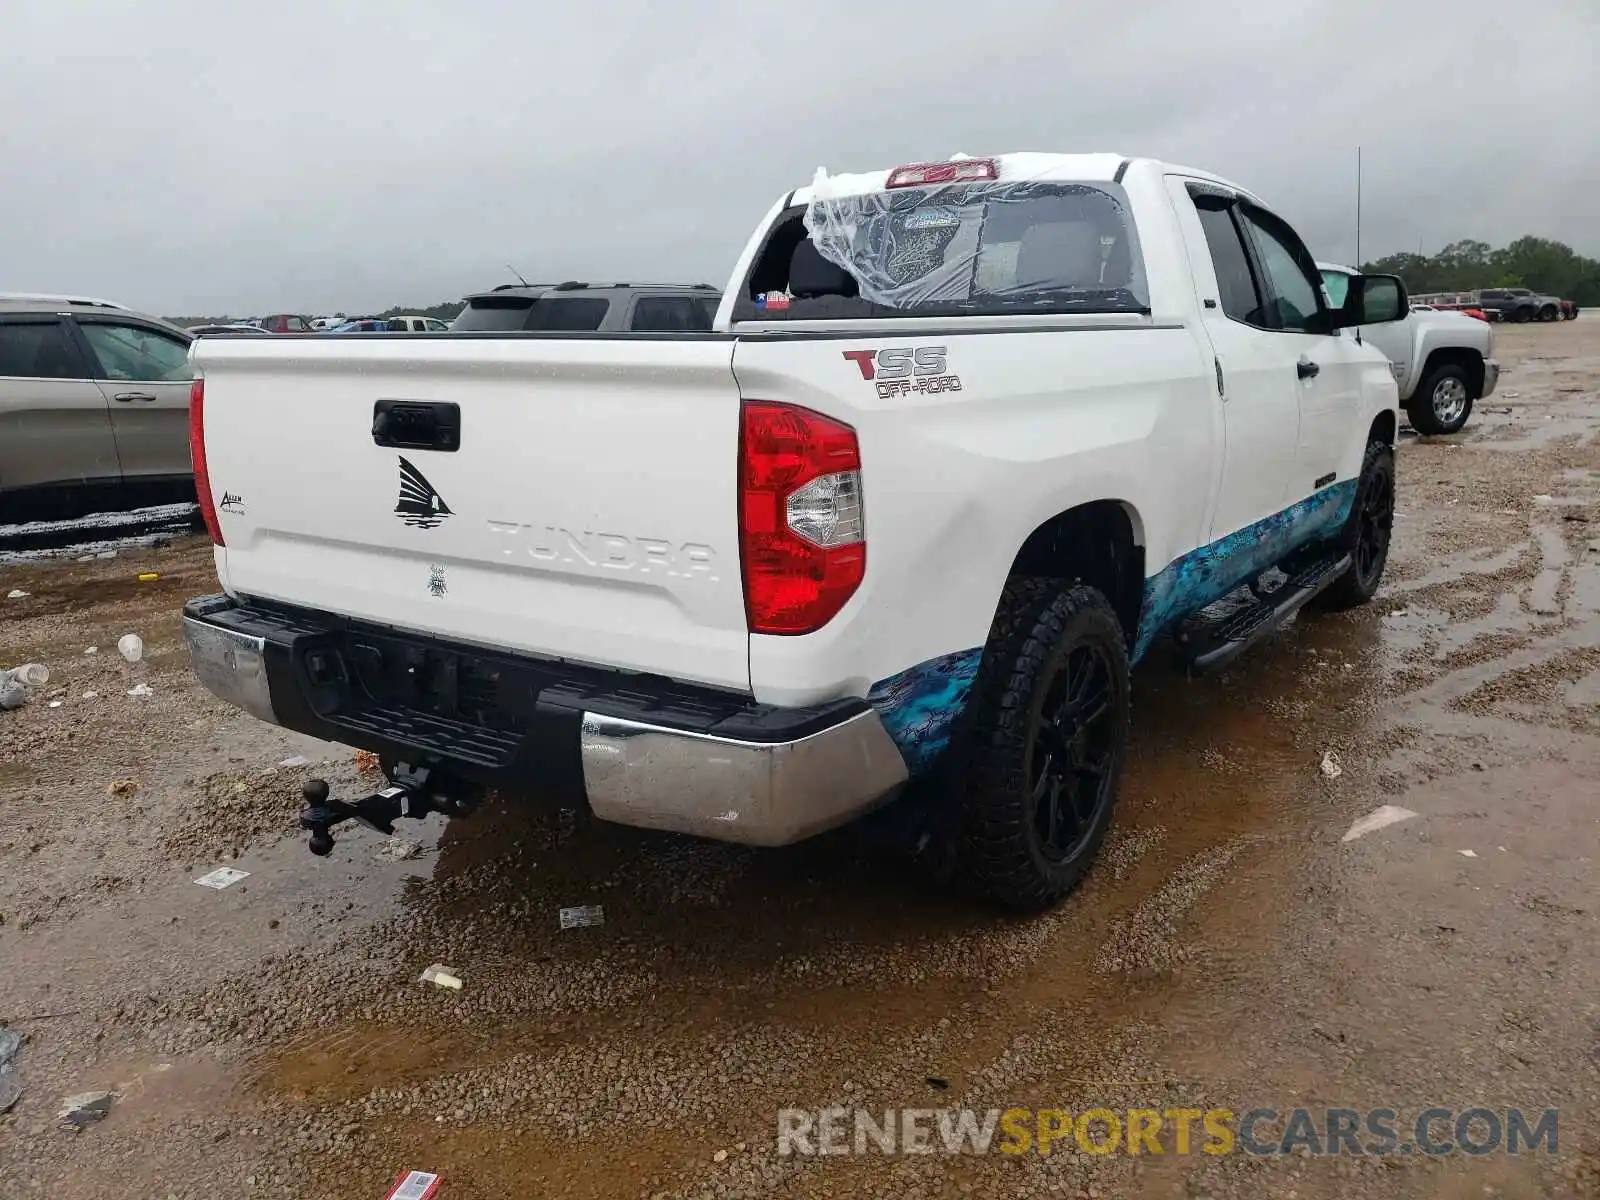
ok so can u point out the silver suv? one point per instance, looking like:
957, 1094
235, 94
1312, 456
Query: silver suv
94, 408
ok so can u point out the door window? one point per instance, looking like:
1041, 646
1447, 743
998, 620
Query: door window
37, 350
134, 353
1296, 304
1236, 281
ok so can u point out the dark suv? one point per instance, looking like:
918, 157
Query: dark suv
575, 307
1518, 304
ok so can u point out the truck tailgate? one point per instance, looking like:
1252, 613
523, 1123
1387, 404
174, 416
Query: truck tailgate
589, 512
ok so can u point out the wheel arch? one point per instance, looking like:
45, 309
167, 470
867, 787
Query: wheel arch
1464, 357
1100, 543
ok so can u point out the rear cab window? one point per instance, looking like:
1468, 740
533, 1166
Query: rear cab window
980, 248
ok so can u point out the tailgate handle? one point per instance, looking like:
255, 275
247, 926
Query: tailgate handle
417, 425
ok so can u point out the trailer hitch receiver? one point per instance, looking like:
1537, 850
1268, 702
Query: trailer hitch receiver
413, 794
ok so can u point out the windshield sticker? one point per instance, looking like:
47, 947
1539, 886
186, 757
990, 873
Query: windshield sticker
934, 218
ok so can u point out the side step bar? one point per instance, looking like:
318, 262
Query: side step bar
1208, 649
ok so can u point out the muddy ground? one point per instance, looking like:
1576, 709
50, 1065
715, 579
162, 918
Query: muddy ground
1229, 950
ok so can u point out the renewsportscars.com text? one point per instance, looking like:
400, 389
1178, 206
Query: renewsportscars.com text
1263, 1132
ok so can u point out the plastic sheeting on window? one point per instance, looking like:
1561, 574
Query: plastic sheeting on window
994, 245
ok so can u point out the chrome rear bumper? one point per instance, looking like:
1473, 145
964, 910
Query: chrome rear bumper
758, 793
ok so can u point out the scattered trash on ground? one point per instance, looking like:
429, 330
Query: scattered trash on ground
414, 1185
131, 647
16, 594
10, 1089
84, 1109
720, 1156
296, 760
92, 650
55, 704
142, 689
148, 577
1330, 765
398, 849
441, 976
10, 1085
1401, 612
582, 915
91, 695
366, 761
1378, 818
1468, 853
14, 684
1511, 395
123, 787
222, 877
1542, 499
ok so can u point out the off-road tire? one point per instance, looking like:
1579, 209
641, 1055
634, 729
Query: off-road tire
1424, 416
1375, 487
1549, 313
998, 850
1522, 315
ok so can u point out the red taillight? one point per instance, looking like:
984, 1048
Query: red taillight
961, 170
802, 543
197, 455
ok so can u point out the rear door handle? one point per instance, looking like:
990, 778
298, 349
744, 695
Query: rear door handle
1307, 369
125, 397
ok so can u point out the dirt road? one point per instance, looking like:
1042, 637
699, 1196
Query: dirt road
1229, 951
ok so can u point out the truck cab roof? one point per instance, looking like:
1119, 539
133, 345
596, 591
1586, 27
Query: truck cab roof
1017, 166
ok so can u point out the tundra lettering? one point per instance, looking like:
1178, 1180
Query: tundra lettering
608, 551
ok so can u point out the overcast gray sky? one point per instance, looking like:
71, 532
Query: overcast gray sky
208, 156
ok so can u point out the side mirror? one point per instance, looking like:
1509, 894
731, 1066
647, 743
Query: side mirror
1373, 300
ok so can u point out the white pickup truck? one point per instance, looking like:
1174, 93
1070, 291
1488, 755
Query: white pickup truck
967, 438
1443, 362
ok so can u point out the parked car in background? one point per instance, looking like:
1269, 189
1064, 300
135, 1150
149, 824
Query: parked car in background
322, 324
409, 324
1518, 304
213, 330
575, 307
285, 323
1442, 361
1569, 310
360, 325
94, 408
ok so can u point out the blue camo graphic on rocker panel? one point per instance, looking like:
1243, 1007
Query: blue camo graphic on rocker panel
919, 706
1205, 575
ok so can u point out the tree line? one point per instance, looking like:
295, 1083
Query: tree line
1546, 266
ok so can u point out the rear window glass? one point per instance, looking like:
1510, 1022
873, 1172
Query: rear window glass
36, 350
505, 314
672, 314
568, 316
960, 249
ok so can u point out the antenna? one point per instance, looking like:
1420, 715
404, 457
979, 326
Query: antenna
1358, 208
518, 274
